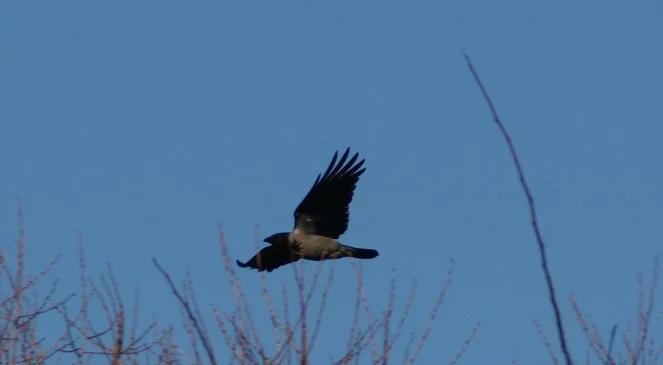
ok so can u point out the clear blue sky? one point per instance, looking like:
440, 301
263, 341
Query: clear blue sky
143, 124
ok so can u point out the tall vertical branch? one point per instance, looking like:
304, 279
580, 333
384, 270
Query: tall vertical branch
20, 267
532, 211
85, 298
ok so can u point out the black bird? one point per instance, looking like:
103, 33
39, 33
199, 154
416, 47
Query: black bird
319, 220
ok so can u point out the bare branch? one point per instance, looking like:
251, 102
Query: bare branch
189, 312
532, 210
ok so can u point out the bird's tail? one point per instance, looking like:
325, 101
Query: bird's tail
359, 253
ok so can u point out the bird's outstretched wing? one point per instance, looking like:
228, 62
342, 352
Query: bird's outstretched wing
270, 258
324, 210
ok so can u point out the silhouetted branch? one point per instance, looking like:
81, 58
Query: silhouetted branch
546, 343
644, 316
532, 211
433, 314
592, 334
189, 312
466, 344
611, 343
321, 311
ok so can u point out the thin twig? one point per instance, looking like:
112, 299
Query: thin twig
20, 263
532, 211
644, 317
321, 310
466, 344
546, 343
189, 312
433, 313
613, 333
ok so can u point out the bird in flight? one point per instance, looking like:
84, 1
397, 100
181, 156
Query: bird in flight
320, 218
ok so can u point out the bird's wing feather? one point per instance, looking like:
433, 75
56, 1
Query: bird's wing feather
270, 258
325, 208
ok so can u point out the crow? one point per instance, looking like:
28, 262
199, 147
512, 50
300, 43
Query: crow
320, 218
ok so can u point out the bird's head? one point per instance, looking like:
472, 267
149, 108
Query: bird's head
277, 238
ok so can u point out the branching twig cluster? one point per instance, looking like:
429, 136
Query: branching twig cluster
21, 308
97, 324
639, 347
295, 334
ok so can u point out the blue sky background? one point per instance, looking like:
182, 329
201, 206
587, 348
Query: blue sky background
143, 124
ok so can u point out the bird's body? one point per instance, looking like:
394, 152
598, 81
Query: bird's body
322, 248
315, 247
319, 220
